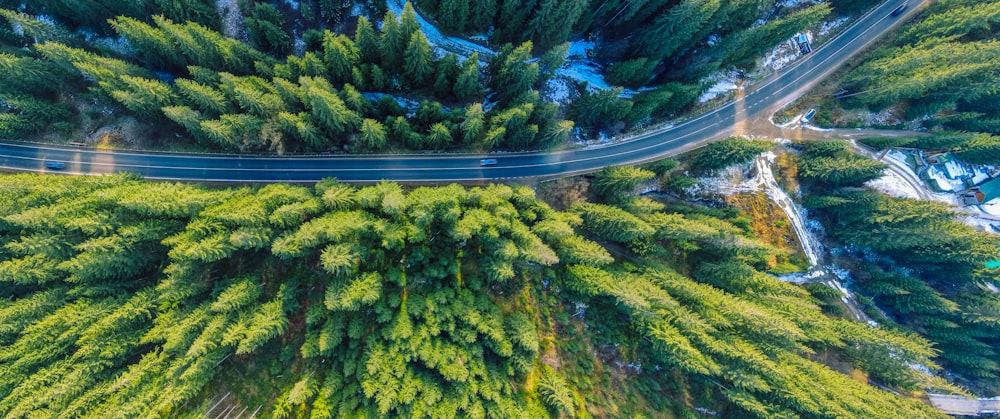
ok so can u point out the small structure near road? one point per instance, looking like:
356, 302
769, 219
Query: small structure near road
963, 406
802, 40
983, 193
809, 116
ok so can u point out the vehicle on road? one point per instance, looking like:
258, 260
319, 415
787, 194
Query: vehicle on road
488, 162
898, 10
55, 165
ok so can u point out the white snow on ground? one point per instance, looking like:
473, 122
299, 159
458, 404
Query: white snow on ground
826, 27
232, 19
980, 174
558, 89
793, 3
724, 82
982, 224
781, 55
580, 50
897, 160
992, 208
578, 67
584, 70
456, 45
893, 184
815, 128
940, 179
901, 181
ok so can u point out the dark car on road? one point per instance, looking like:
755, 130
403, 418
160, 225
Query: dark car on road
55, 165
898, 10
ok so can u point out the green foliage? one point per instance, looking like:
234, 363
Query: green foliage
840, 171
672, 29
376, 301
752, 43
512, 73
616, 181
182, 44
938, 66
632, 74
728, 152
600, 109
886, 142
265, 27
556, 391
418, 60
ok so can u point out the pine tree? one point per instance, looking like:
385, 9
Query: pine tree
632, 73
145, 97
616, 181
512, 73
481, 14
467, 85
266, 32
472, 127
392, 42
186, 117
555, 134
553, 59
673, 28
419, 62
439, 136
727, 152
373, 135
208, 100
599, 109
367, 41
446, 74
408, 22
453, 14
340, 56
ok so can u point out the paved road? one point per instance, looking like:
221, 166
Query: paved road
722, 122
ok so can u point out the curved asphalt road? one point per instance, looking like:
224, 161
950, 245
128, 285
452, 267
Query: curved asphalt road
724, 121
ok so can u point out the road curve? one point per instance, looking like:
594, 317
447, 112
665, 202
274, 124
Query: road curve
721, 122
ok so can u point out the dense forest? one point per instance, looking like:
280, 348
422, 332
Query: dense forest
124, 297
326, 75
917, 263
379, 300
939, 72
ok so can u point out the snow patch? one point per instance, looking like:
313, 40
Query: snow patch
781, 55
992, 208
581, 49
585, 71
558, 90
828, 26
723, 82
442, 44
893, 184
409, 105
793, 3
232, 19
